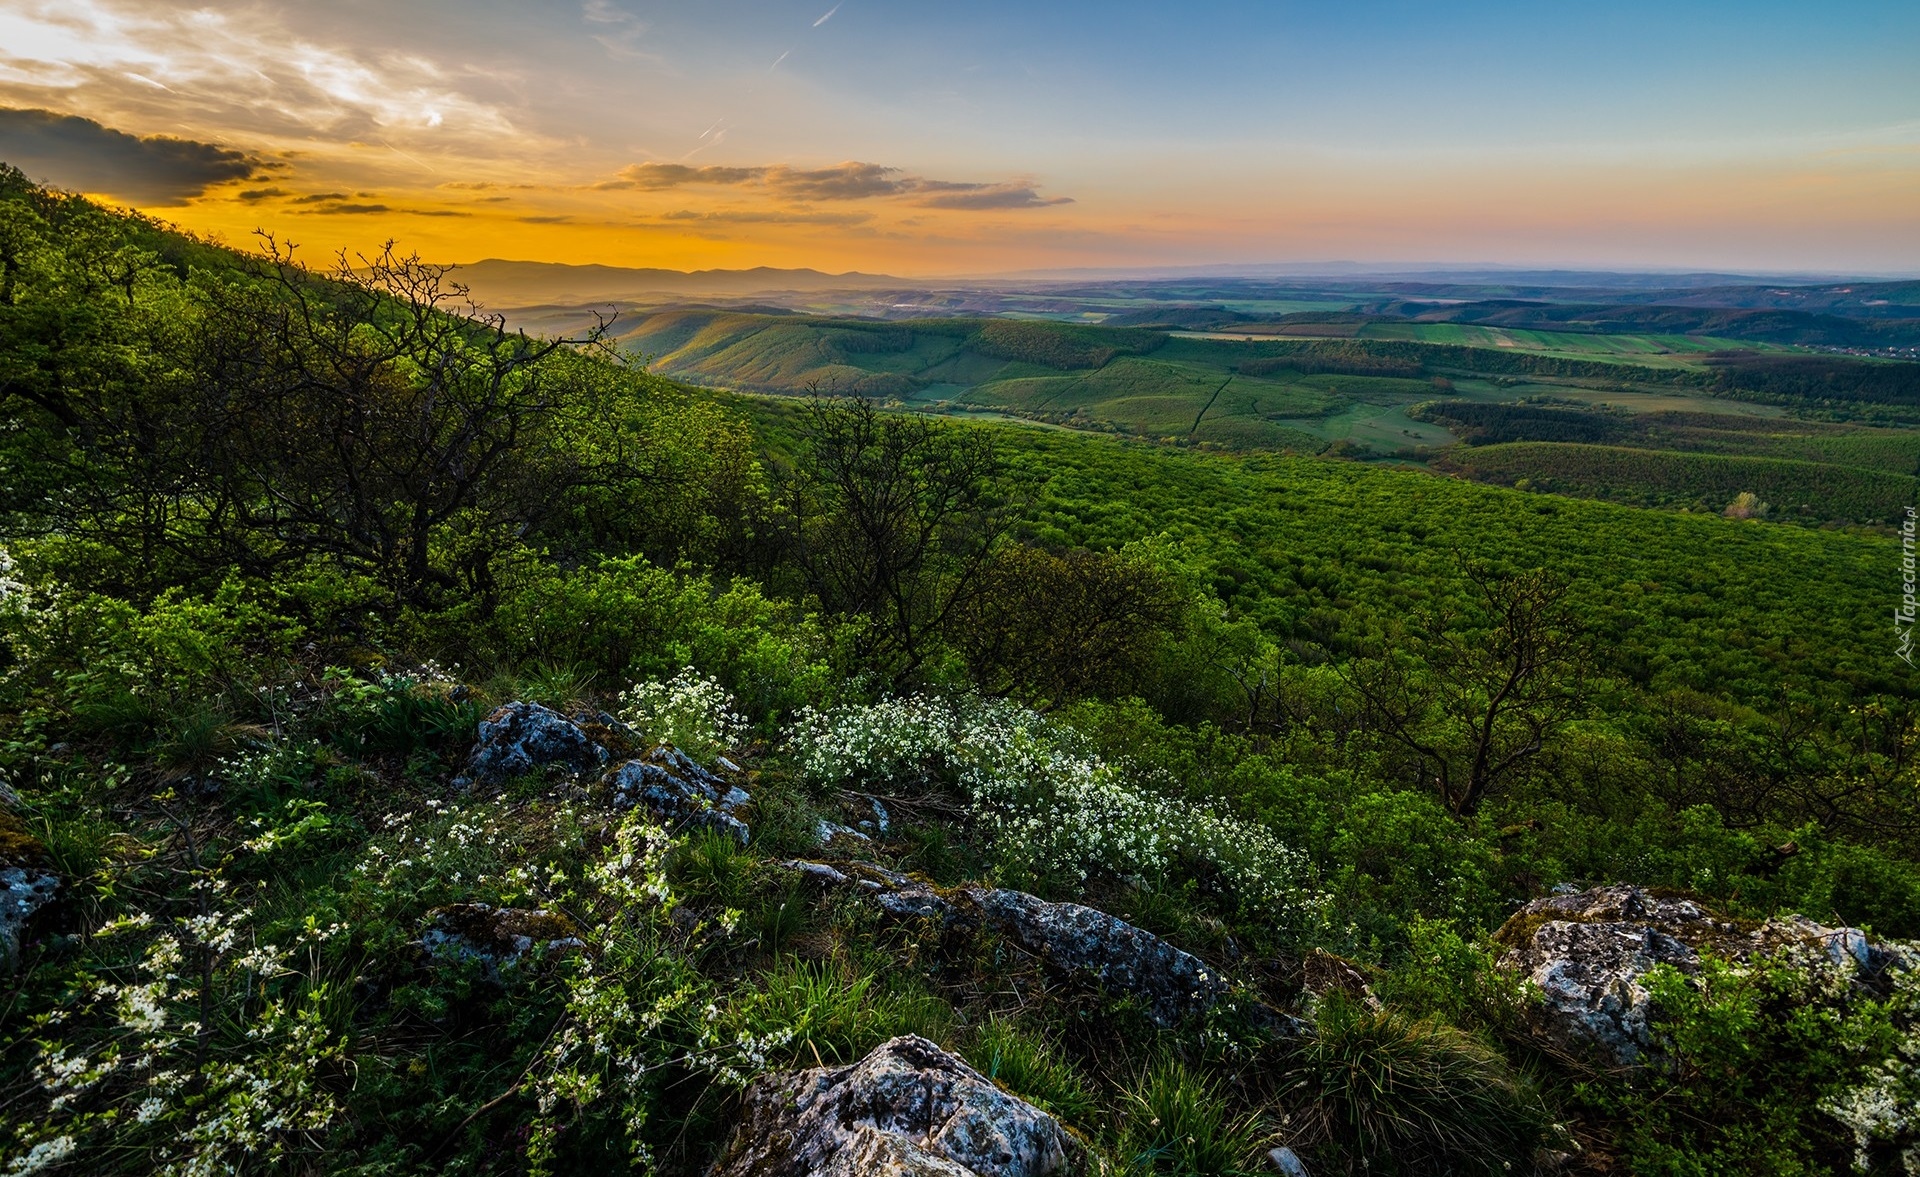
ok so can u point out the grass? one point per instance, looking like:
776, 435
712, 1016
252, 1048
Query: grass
1181, 1124
1385, 1093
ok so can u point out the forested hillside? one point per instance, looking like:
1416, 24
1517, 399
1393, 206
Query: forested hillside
430, 748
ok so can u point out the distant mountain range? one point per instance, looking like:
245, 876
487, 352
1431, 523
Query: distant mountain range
519, 284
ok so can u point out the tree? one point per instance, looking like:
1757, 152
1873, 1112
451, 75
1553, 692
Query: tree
892, 521
1476, 694
1055, 627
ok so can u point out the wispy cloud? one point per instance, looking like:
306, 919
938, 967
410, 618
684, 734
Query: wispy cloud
145, 64
618, 31
767, 217
851, 180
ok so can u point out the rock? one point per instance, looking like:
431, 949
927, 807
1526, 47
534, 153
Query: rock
519, 738
1079, 941
1589, 952
498, 937
1321, 973
825, 832
677, 790
908, 1109
24, 890
1120, 958
1286, 1162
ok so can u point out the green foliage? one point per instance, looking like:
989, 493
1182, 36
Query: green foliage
1751, 1054
1810, 490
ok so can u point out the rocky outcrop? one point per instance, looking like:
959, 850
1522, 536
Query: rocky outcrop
24, 890
909, 1109
1072, 939
1114, 954
498, 937
677, 790
521, 738
1589, 953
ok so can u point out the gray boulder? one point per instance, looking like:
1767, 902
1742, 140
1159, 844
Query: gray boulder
520, 738
24, 890
909, 1109
1070, 938
1115, 955
1589, 952
676, 789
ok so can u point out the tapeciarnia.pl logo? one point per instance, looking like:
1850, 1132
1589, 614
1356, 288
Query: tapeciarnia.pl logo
1905, 612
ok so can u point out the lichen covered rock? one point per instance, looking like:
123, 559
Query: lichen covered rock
520, 738
1589, 953
908, 1109
1070, 938
677, 790
1117, 956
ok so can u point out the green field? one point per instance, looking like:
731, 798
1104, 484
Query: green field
1649, 350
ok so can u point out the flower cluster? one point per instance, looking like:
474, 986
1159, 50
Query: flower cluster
1051, 806
204, 1102
690, 711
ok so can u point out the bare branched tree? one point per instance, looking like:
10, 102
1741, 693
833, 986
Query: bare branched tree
893, 520
1476, 695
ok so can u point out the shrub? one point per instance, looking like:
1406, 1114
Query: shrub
692, 712
1054, 811
1776, 1065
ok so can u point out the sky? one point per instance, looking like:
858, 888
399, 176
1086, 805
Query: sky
923, 139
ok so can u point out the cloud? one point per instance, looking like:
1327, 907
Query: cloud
653, 177
851, 180
618, 31
367, 210
988, 196
253, 195
771, 217
79, 153
240, 68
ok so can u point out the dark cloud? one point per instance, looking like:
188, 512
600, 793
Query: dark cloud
349, 209
79, 153
257, 194
846, 181
321, 197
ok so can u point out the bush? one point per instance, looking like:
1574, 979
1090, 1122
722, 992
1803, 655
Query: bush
1772, 1066
1055, 812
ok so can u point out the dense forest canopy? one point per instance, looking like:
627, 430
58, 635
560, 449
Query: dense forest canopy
279, 536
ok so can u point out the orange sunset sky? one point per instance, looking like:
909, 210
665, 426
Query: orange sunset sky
922, 139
